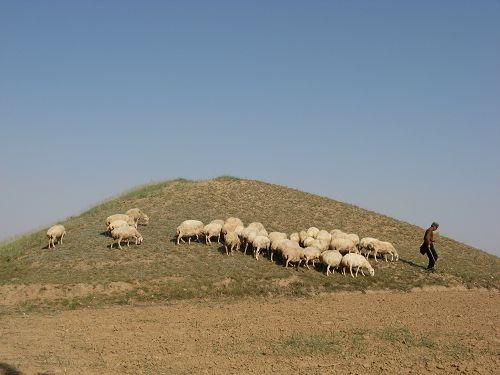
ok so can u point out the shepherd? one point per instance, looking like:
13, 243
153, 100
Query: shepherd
427, 246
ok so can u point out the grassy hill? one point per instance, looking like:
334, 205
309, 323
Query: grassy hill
84, 271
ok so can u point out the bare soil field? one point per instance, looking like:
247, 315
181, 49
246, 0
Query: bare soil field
428, 331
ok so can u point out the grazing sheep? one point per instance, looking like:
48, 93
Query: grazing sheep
256, 225
124, 217
323, 235
330, 258
231, 242
343, 245
353, 237
275, 238
125, 233
382, 247
231, 224
292, 253
277, 246
189, 228
245, 236
358, 262
258, 243
322, 245
336, 233
363, 245
295, 237
308, 241
311, 253
302, 236
211, 230
55, 234
116, 224
138, 216
312, 232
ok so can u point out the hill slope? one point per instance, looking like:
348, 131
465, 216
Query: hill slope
84, 271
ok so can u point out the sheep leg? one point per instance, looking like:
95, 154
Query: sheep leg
62, 238
218, 238
197, 238
361, 269
246, 247
271, 255
327, 269
385, 257
128, 242
286, 264
314, 260
227, 252
357, 270
350, 269
256, 253
189, 240
307, 265
119, 243
375, 256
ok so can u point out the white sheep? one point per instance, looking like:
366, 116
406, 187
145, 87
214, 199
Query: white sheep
343, 245
335, 232
356, 261
363, 245
295, 237
217, 221
245, 236
308, 241
382, 247
138, 216
231, 224
55, 234
211, 230
259, 243
330, 258
292, 253
311, 253
256, 225
302, 236
323, 235
126, 233
124, 217
117, 223
274, 238
231, 242
189, 228
322, 245
312, 232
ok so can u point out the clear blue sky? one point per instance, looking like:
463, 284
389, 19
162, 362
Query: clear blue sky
391, 105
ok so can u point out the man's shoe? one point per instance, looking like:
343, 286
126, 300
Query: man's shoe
430, 269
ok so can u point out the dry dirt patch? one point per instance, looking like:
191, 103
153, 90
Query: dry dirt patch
426, 332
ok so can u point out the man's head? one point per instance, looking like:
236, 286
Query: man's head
435, 225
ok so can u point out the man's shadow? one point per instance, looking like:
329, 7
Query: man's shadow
6, 369
411, 263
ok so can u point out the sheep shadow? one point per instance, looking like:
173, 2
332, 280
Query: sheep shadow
105, 234
411, 263
6, 369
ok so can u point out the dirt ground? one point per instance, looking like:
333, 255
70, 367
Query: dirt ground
387, 332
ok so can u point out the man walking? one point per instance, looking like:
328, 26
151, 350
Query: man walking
428, 246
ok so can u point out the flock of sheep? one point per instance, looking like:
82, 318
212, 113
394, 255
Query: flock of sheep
335, 249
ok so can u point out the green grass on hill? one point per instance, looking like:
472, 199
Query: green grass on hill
84, 271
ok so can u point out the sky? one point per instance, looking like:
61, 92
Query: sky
393, 106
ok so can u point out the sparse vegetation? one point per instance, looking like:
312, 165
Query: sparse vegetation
158, 270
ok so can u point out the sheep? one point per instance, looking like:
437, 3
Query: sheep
312, 232
246, 234
126, 233
295, 237
343, 245
302, 236
230, 225
382, 247
323, 235
363, 245
55, 234
277, 246
116, 224
353, 237
231, 241
189, 228
211, 230
217, 221
292, 252
139, 216
256, 225
308, 241
311, 253
274, 238
357, 261
322, 245
258, 243
330, 258
124, 217
337, 233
